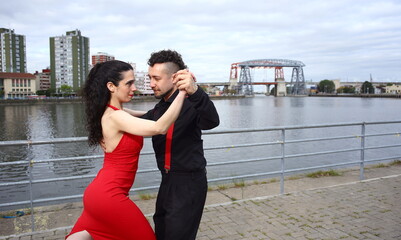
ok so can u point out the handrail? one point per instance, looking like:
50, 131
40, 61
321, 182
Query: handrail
281, 141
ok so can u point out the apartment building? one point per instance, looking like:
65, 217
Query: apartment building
69, 60
12, 51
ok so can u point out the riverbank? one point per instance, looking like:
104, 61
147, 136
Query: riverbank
67, 100
358, 95
152, 98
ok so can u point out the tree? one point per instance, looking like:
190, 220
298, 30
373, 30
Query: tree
51, 92
367, 87
326, 86
65, 90
346, 89
137, 93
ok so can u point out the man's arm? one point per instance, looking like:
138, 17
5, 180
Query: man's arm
209, 118
148, 115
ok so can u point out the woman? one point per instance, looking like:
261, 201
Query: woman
108, 212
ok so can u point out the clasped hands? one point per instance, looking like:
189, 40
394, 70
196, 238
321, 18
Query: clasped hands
185, 81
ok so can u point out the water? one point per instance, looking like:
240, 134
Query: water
20, 122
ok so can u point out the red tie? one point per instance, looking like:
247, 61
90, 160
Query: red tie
167, 155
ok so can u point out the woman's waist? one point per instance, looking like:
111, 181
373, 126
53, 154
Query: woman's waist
115, 178
121, 166
117, 173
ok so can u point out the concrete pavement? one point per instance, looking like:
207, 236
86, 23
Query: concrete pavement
338, 207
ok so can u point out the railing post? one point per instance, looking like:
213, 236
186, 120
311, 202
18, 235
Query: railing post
282, 161
362, 163
30, 175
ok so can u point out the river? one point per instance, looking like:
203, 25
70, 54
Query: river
45, 121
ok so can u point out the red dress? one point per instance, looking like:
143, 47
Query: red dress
108, 212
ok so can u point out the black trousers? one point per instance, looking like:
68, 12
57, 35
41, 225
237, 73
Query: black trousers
179, 205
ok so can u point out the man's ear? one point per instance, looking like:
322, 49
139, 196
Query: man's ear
111, 86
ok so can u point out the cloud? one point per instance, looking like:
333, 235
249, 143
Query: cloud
335, 39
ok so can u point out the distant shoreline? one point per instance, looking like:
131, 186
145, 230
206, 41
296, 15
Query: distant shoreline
358, 95
78, 99
152, 98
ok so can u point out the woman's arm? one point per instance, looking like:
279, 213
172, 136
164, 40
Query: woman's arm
123, 121
135, 113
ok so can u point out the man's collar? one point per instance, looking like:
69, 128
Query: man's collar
172, 97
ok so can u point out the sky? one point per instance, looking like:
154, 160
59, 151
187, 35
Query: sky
349, 40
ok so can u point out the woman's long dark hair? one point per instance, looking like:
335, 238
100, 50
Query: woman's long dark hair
96, 95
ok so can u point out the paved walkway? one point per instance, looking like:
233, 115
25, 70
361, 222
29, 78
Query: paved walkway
323, 208
362, 210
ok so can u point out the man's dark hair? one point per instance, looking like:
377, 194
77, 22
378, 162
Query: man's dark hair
167, 56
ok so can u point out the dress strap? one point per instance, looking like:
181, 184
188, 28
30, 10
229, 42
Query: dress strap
110, 106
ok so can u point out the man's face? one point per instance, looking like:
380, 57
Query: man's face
161, 81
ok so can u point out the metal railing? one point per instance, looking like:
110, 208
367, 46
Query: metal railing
282, 144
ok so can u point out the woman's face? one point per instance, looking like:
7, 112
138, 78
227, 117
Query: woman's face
126, 87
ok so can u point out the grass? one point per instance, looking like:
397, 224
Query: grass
318, 174
395, 163
145, 196
273, 180
222, 187
383, 165
295, 177
239, 184
321, 173
380, 165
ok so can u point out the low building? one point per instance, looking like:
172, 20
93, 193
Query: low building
101, 57
18, 85
393, 89
43, 79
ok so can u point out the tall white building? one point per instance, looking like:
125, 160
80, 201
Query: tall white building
69, 60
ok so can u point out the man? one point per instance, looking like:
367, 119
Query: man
179, 153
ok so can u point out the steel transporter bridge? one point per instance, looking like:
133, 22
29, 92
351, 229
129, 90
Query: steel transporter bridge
244, 84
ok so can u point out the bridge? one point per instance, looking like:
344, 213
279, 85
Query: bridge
245, 83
